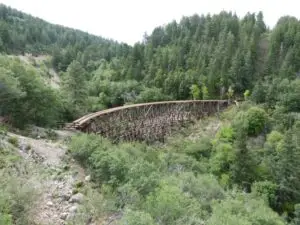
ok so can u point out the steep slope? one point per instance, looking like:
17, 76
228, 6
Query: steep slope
240, 170
42, 64
55, 181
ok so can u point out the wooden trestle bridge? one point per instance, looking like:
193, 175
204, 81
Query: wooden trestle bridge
146, 122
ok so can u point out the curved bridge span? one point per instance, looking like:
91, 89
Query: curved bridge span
147, 121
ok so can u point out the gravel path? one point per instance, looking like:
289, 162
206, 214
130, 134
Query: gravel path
57, 202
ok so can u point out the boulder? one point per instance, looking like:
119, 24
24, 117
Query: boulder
77, 198
87, 178
49, 203
64, 215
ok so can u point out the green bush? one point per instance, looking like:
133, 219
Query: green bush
167, 204
3, 130
16, 199
226, 133
243, 210
151, 95
28, 147
200, 149
266, 190
222, 159
251, 122
127, 195
51, 134
5, 219
204, 187
110, 167
274, 142
176, 163
257, 119
136, 218
296, 220
240, 123
143, 176
14, 141
82, 146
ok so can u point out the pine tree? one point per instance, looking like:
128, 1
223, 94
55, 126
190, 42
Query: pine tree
287, 172
75, 87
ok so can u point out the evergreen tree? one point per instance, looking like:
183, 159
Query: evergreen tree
75, 87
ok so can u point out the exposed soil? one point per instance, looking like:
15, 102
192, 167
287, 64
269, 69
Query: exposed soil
57, 202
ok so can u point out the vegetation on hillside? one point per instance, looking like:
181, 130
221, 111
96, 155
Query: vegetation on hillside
247, 173
200, 57
17, 195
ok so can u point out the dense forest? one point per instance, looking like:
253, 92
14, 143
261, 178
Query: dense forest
201, 57
245, 174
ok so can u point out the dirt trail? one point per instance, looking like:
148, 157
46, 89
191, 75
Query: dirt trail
50, 153
57, 202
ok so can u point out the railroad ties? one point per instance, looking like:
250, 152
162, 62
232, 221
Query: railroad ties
146, 122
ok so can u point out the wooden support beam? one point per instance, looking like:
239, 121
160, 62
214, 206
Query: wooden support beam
146, 122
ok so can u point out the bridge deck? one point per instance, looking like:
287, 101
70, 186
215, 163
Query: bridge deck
146, 118
87, 117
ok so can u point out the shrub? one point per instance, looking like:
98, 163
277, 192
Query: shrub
222, 159
6, 219
246, 94
267, 190
151, 95
257, 119
3, 130
136, 218
16, 199
226, 134
201, 148
274, 142
174, 162
82, 146
167, 204
127, 195
240, 123
252, 122
14, 141
110, 167
28, 147
204, 187
143, 176
296, 219
243, 210
51, 134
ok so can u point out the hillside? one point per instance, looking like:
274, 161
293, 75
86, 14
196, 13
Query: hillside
210, 53
241, 167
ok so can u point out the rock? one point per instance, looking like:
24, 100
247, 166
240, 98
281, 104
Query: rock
65, 197
64, 215
77, 198
72, 212
73, 209
87, 178
71, 216
49, 203
89, 221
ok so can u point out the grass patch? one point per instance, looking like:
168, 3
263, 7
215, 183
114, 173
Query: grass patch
14, 141
16, 199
